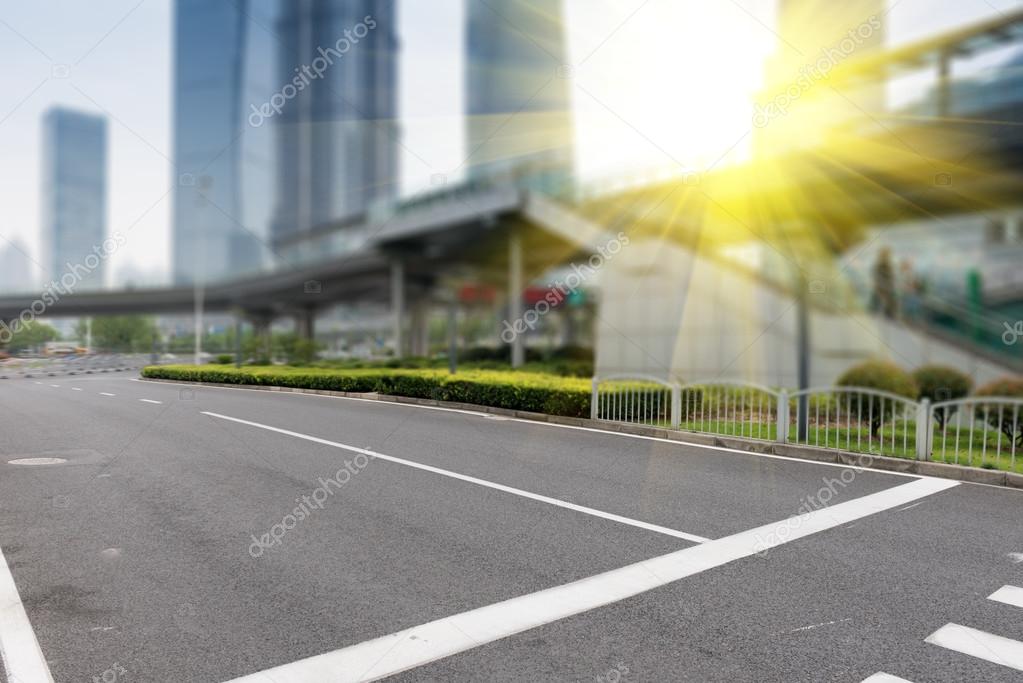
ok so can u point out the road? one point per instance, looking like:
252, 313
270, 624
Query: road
208, 534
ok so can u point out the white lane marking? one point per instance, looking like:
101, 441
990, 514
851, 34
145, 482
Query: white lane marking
604, 432
38, 382
76, 388
391, 654
472, 480
149, 400
106, 393
980, 644
882, 677
1010, 595
55, 386
20, 653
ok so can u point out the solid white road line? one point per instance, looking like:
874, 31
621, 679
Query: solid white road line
429, 642
1010, 595
19, 650
472, 480
882, 677
106, 393
149, 400
980, 644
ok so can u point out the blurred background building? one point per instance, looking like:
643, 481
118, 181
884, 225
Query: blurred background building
222, 166
74, 185
518, 108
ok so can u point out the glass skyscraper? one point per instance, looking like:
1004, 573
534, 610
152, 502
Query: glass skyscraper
519, 113
337, 132
74, 195
223, 66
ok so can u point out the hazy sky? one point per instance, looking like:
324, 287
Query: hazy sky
653, 81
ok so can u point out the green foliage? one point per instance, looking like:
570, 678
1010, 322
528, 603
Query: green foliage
30, 335
941, 383
224, 359
128, 333
513, 390
882, 376
1007, 418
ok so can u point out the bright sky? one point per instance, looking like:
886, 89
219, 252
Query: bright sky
655, 82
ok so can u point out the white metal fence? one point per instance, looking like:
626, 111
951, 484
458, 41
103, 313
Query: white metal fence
979, 431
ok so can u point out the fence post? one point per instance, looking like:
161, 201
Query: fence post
676, 406
923, 429
783, 417
593, 399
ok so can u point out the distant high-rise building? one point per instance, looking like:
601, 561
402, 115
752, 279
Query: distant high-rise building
223, 156
519, 114
15, 268
74, 195
336, 131
815, 37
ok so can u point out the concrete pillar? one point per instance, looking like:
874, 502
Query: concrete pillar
944, 83
305, 323
261, 331
398, 306
419, 335
518, 345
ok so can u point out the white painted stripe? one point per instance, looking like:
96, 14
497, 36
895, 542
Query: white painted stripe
980, 644
149, 400
388, 655
605, 433
106, 393
882, 677
1010, 595
76, 388
19, 650
55, 386
472, 480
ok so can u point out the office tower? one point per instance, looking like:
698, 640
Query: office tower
223, 155
336, 131
797, 107
519, 117
74, 196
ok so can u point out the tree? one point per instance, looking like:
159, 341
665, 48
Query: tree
133, 333
30, 335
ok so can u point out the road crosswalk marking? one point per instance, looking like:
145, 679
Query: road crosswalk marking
980, 644
1010, 595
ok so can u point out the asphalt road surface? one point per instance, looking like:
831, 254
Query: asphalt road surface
206, 534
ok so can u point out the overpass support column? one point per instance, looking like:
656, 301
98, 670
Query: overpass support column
518, 343
398, 306
305, 324
420, 332
261, 331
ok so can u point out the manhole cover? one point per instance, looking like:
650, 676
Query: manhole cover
37, 461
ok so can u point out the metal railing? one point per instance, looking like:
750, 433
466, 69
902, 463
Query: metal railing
978, 431
730, 409
858, 419
985, 431
636, 399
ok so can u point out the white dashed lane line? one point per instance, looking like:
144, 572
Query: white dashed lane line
149, 400
106, 393
76, 388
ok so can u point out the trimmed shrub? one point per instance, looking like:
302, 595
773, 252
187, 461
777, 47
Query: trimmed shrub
941, 383
224, 359
1007, 418
882, 376
566, 396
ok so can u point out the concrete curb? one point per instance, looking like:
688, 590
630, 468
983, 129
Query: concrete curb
973, 475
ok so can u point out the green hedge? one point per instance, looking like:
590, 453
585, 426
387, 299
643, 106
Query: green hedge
566, 396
